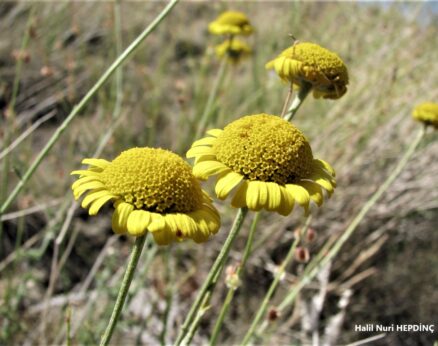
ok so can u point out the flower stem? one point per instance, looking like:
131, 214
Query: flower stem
85, 100
232, 290
124, 288
286, 102
290, 298
298, 101
205, 118
212, 277
262, 309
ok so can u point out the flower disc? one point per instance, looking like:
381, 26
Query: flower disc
153, 179
266, 148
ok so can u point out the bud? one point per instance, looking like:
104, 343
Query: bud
232, 280
273, 314
310, 235
46, 71
302, 254
21, 55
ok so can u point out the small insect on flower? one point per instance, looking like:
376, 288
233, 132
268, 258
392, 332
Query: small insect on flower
426, 113
231, 23
309, 63
265, 163
152, 190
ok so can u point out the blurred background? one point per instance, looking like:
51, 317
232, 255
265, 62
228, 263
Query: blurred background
60, 269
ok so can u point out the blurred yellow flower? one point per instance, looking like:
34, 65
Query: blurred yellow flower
234, 50
266, 161
427, 112
231, 23
152, 190
310, 63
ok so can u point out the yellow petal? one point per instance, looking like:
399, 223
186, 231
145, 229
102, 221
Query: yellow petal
100, 163
257, 195
287, 202
85, 173
325, 183
207, 141
323, 164
163, 237
120, 217
138, 222
239, 199
205, 223
98, 203
226, 183
186, 225
205, 169
81, 181
203, 158
274, 200
92, 196
158, 223
92, 185
201, 150
300, 195
215, 132
314, 191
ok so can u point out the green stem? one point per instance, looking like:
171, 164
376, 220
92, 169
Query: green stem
169, 295
290, 298
124, 288
232, 290
206, 115
298, 101
213, 275
85, 100
119, 71
10, 120
262, 309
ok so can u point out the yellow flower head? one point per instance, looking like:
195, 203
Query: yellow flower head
266, 161
231, 23
152, 190
427, 113
234, 51
306, 62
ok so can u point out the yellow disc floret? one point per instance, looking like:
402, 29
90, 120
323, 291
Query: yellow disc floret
266, 148
427, 113
155, 180
306, 62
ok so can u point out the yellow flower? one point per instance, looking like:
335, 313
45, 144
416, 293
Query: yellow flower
427, 113
310, 63
266, 161
234, 50
152, 190
231, 23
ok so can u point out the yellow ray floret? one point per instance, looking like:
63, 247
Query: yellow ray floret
152, 190
231, 23
427, 113
309, 63
263, 162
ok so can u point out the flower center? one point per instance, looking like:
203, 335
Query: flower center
265, 147
156, 180
233, 18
